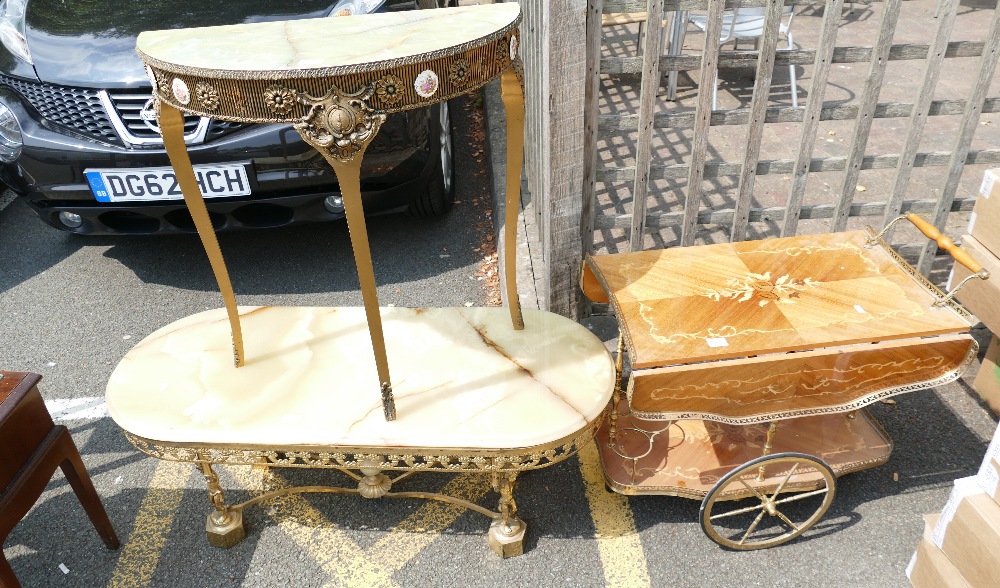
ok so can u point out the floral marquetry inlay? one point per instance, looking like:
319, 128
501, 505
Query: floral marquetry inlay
762, 289
690, 304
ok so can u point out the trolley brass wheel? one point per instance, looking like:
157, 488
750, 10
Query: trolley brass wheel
768, 501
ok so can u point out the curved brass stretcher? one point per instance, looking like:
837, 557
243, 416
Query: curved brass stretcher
488, 390
752, 362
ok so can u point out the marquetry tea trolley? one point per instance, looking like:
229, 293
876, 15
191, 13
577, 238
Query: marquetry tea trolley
488, 390
751, 365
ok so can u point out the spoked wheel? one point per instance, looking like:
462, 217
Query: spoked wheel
768, 501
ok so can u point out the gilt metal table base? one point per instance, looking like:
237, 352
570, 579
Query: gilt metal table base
224, 525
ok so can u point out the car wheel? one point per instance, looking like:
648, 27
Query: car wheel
440, 192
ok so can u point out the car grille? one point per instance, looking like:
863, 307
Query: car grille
127, 106
83, 111
74, 108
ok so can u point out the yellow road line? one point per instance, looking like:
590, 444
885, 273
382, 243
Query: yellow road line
344, 563
617, 539
421, 528
142, 549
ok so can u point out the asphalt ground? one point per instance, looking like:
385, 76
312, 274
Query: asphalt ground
70, 307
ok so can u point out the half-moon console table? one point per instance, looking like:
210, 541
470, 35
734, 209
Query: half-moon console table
489, 390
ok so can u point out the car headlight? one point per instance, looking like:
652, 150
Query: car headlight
352, 7
10, 135
12, 28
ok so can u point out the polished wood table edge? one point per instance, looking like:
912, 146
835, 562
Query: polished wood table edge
839, 468
639, 364
388, 457
856, 404
14, 386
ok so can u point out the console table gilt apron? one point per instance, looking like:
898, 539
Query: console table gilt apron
363, 390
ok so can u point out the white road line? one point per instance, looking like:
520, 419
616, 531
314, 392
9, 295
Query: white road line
73, 409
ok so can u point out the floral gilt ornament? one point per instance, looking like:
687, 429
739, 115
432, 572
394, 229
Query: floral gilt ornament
761, 288
280, 100
389, 89
458, 71
340, 123
207, 95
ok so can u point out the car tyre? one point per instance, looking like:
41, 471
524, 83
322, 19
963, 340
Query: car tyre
439, 195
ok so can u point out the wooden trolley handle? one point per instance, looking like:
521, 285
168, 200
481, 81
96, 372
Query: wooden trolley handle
957, 253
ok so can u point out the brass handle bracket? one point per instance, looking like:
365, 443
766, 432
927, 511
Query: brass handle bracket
872, 240
981, 274
931, 232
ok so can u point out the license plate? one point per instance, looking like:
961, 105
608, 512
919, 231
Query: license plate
160, 183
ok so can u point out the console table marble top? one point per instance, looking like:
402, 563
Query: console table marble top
320, 43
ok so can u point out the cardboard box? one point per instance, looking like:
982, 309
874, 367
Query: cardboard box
989, 478
980, 297
984, 222
930, 567
987, 382
990, 482
968, 532
992, 454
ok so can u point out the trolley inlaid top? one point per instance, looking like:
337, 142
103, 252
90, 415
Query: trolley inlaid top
690, 304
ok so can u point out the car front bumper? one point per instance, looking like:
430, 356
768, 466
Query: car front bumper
289, 179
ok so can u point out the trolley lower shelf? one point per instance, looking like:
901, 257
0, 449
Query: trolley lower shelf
687, 458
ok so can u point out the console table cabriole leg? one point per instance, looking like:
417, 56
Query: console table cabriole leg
506, 535
340, 126
512, 94
223, 526
350, 186
172, 128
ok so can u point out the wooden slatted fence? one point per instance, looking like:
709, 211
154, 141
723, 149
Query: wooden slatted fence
563, 30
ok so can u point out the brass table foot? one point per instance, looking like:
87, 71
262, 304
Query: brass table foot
507, 540
225, 529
